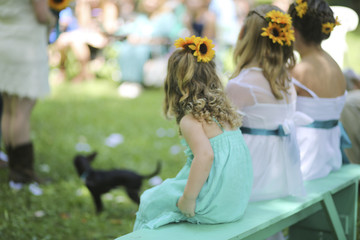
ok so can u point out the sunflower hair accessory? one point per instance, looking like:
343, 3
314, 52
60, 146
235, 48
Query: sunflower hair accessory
58, 5
328, 26
202, 48
301, 8
279, 29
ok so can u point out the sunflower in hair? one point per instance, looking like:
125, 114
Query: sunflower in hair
279, 28
181, 43
327, 27
203, 49
58, 5
337, 23
274, 32
289, 36
301, 8
277, 17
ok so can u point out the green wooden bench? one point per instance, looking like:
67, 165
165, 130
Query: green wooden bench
329, 211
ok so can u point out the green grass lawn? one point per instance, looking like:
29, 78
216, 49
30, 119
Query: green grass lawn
87, 112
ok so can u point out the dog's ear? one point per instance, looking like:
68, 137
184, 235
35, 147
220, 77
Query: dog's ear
92, 156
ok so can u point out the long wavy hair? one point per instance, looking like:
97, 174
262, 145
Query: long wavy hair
275, 60
193, 87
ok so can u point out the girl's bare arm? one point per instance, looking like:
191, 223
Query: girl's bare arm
199, 144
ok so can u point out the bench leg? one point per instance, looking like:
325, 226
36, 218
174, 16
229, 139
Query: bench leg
334, 217
336, 220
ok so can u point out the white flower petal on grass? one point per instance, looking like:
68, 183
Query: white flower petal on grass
79, 192
3, 156
35, 189
154, 181
114, 139
175, 149
15, 186
44, 168
39, 213
82, 191
120, 199
108, 196
161, 132
82, 147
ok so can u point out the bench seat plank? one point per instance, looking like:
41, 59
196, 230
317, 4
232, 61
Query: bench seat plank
261, 219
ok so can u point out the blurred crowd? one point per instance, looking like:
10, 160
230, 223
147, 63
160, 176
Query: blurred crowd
141, 32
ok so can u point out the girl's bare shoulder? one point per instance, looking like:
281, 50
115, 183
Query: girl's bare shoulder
189, 121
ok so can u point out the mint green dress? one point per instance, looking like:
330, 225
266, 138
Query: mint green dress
223, 198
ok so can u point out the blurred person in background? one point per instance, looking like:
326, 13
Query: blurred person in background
230, 15
3, 156
85, 32
199, 20
147, 37
24, 27
350, 115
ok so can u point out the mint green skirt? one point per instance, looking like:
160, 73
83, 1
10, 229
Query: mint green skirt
223, 198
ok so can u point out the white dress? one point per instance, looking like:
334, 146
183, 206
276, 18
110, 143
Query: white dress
276, 159
319, 147
23, 51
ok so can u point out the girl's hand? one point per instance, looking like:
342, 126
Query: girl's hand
187, 206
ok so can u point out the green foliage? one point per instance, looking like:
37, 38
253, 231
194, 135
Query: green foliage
352, 56
87, 112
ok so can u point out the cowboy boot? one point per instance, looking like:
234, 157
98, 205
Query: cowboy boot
22, 164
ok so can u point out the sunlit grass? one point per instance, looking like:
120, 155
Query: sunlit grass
87, 112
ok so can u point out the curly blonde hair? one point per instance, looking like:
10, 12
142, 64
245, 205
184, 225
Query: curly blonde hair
193, 87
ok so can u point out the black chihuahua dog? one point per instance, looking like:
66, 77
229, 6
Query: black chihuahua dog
102, 181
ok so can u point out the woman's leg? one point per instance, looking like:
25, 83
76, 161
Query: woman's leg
5, 119
3, 162
15, 121
22, 153
21, 109
82, 53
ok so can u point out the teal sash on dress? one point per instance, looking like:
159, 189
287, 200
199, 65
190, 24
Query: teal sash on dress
344, 139
266, 132
290, 138
323, 124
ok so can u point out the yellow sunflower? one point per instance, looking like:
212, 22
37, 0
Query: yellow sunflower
58, 5
203, 49
289, 36
337, 23
181, 43
327, 28
275, 33
301, 8
278, 17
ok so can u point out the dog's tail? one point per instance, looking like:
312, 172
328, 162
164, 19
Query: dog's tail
156, 172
